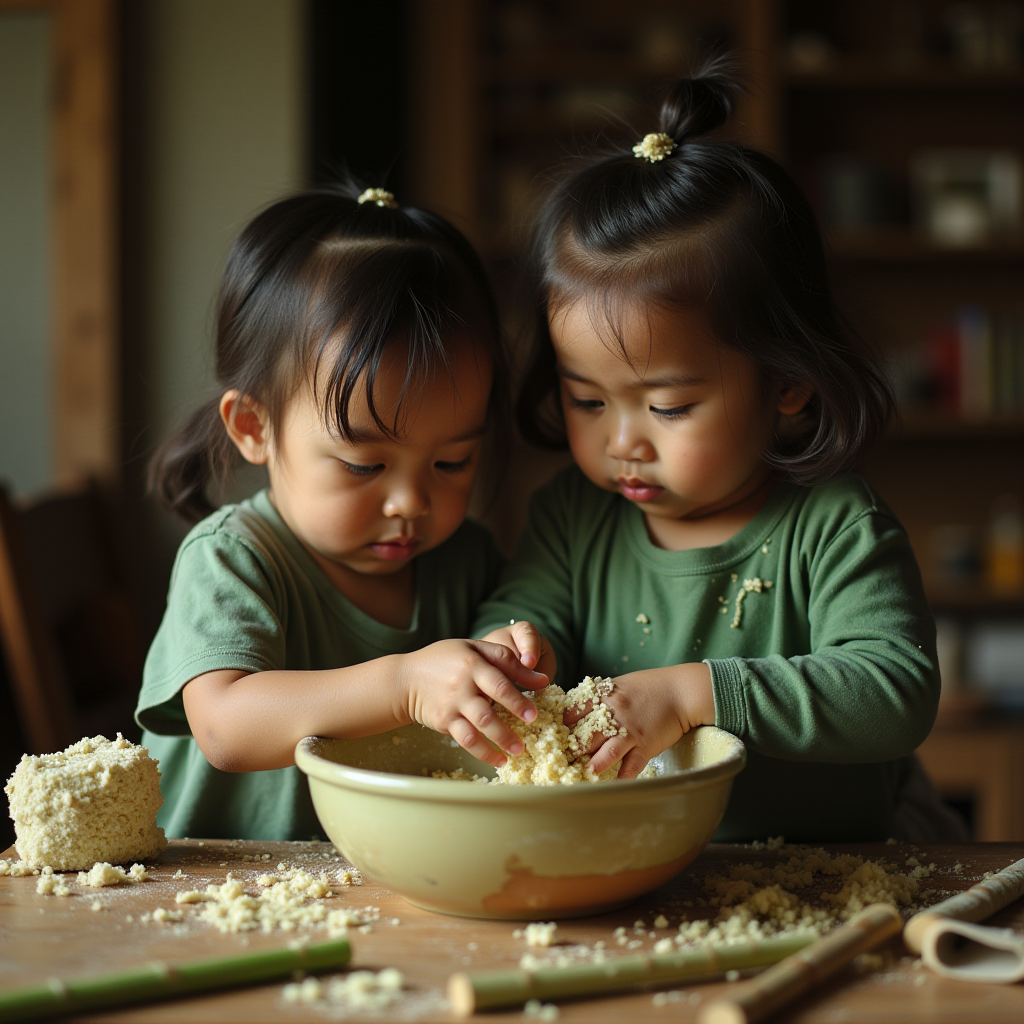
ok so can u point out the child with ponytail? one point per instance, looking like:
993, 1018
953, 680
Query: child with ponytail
711, 549
359, 361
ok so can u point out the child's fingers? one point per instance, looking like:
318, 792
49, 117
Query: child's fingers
509, 667
469, 739
613, 749
491, 683
528, 641
633, 764
480, 713
574, 714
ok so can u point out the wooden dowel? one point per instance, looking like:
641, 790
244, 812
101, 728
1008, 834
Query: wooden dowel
756, 999
485, 990
977, 903
56, 997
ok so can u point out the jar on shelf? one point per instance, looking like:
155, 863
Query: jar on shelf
1004, 562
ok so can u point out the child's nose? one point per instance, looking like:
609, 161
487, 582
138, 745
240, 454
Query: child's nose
407, 501
628, 444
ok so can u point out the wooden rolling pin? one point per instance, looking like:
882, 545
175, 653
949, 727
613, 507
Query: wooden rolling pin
977, 903
755, 999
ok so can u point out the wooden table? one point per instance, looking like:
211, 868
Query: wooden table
45, 936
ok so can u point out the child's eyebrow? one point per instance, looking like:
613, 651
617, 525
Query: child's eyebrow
671, 380
471, 435
354, 435
370, 436
665, 380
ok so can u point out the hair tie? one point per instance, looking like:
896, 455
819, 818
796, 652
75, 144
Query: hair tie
654, 147
380, 197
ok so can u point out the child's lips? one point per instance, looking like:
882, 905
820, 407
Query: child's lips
638, 490
395, 550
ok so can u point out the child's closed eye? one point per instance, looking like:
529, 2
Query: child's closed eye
585, 403
454, 467
674, 413
358, 470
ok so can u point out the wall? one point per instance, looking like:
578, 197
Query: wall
24, 250
214, 128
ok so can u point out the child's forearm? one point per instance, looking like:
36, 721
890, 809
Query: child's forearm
247, 722
867, 700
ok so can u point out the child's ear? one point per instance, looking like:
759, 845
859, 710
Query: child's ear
792, 399
247, 425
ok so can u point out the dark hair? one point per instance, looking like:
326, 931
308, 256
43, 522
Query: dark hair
717, 225
317, 285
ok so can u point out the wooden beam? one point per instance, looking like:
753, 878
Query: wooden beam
758, 42
85, 380
85, 328
445, 105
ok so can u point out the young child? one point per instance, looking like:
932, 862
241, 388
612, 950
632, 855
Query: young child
710, 549
358, 359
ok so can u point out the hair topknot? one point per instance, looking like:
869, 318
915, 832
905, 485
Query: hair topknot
703, 102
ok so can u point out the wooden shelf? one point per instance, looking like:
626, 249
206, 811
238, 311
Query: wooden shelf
563, 68
547, 121
914, 425
902, 245
869, 73
972, 599
876, 245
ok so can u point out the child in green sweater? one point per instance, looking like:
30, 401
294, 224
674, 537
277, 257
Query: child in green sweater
710, 549
359, 361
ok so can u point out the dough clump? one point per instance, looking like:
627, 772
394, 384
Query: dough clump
95, 801
556, 754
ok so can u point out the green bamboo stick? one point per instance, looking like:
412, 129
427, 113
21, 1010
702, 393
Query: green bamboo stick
154, 981
485, 990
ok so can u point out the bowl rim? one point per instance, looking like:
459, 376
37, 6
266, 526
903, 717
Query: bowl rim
369, 780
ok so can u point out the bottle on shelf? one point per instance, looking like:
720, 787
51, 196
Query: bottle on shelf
1004, 561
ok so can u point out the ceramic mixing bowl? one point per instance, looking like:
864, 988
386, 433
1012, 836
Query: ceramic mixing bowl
516, 852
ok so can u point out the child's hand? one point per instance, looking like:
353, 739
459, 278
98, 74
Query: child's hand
656, 707
529, 646
449, 687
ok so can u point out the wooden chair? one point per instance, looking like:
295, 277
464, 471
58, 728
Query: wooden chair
71, 634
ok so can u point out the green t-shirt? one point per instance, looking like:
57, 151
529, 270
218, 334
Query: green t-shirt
829, 677
245, 594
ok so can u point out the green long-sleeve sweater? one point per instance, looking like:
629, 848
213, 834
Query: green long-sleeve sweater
828, 674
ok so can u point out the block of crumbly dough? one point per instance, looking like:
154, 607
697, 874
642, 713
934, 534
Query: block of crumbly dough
95, 801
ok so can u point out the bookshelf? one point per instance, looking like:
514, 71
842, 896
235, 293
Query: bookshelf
896, 245
877, 79
873, 74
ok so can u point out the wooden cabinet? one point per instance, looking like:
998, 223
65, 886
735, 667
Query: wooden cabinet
983, 767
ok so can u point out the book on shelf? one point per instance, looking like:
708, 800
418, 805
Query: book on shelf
969, 368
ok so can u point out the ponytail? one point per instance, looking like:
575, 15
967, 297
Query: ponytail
197, 452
